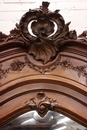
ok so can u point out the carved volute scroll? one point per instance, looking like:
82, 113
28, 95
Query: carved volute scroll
41, 103
45, 42
43, 34
42, 41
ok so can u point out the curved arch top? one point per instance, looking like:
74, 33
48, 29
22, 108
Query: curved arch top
43, 70
64, 97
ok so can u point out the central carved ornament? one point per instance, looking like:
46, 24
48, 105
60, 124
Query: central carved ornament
41, 103
42, 34
44, 41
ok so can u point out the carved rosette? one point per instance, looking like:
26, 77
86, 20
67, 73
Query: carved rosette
41, 103
16, 65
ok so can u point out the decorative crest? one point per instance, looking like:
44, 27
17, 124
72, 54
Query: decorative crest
42, 33
47, 30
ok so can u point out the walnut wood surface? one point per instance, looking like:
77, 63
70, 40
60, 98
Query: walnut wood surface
44, 71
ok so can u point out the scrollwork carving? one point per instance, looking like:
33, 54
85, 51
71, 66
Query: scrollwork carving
41, 103
45, 43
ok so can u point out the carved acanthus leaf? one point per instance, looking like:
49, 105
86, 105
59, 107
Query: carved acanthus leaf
41, 103
42, 41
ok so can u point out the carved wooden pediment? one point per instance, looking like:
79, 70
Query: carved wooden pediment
42, 57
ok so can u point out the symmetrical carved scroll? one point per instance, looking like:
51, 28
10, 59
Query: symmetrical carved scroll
43, 40
41, 103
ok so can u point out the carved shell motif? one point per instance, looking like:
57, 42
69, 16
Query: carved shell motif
41, 33
43, 39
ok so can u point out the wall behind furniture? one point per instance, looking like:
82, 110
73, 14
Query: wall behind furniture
72, 10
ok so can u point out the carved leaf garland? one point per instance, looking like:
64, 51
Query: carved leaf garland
18, 65
44, 43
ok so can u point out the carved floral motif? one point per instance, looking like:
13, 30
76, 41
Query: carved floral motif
81, 70
41, 103
42, 42
18, 65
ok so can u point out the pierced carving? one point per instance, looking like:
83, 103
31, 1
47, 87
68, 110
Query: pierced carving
43, 40
41, 103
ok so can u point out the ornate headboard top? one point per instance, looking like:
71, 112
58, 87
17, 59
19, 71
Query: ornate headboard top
43, 35
40, 27
41, 55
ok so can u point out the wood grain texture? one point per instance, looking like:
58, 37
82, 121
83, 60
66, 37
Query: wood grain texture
53, 67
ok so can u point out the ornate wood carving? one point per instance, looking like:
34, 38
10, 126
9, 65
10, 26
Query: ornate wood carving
42, 23
18, 65
41, 103
83, 36
44, 41
81, 70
